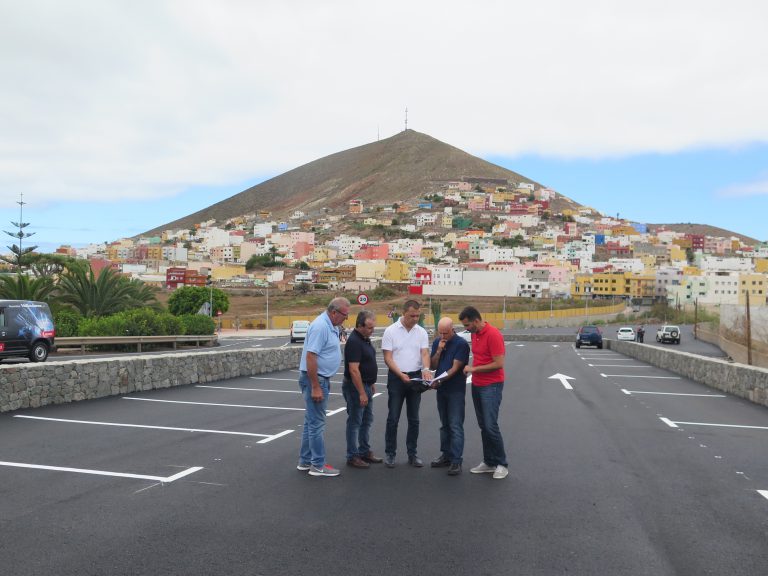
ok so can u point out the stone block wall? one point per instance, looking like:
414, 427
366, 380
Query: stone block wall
740, 380
35, 385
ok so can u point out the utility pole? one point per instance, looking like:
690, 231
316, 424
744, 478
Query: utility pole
695, 319
749, 331
406, 118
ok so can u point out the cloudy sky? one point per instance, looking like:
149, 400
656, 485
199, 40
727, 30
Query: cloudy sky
117, 117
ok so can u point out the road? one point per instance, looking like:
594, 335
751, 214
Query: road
631, 470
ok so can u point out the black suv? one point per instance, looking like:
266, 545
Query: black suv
26, 329
589, 336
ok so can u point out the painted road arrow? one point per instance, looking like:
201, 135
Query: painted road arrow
563, 380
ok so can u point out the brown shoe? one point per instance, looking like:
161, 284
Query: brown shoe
371, 459
357, 462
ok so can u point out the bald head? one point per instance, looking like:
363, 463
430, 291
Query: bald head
445, 328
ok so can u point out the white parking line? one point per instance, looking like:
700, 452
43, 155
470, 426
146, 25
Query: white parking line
213, 404
269, 437
616, 366
259, 389
763, 493
163, 479
612, 359
635, 376
673, 424
630, 392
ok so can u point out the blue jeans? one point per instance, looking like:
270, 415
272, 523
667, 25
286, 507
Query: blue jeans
359, 420
398, 392
312, 441
450, 407
487, 401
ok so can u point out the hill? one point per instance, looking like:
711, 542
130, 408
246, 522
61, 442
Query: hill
395, 169
704, 229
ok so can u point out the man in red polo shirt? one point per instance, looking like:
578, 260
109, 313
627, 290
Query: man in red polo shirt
487, 372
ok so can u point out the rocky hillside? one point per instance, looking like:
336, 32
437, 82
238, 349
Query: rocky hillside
397, 169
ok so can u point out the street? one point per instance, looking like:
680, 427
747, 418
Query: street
626, 470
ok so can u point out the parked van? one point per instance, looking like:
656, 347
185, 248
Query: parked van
26, 329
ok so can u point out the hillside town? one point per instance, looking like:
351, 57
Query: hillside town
473, 236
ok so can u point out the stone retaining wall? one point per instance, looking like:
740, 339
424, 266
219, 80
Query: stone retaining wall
35, 385
738, 379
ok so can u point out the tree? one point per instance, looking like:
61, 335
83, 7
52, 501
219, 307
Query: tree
106, 294
437, 310
23, 287
19, 255
190, 299
53, 265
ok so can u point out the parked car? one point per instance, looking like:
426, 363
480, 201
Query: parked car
299, 330
625, 333
26, 329
589, 336
668, 334
466, 335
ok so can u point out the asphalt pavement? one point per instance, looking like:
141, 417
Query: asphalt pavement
616, 467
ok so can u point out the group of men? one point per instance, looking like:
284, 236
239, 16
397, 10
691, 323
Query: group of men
413, 366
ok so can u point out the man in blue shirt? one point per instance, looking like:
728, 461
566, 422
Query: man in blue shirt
450, 353
320, 359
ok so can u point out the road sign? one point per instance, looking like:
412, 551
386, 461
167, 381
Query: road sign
219, 313
362, 299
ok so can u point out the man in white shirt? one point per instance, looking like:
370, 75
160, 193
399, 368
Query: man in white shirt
406, 353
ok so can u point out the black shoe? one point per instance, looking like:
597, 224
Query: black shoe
415, 461
440, 462
454, 469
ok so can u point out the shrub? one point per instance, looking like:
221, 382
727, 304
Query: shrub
199, 325
66, 322
138, 322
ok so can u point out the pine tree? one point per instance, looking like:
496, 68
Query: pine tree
18, 252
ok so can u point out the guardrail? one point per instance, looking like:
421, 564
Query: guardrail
83, 342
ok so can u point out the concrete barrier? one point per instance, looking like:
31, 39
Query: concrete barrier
738, 379
58, 382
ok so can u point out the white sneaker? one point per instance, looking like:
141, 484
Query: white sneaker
482, 468
500, 472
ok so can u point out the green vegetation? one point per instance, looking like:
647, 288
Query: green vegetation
106, 294
190, 299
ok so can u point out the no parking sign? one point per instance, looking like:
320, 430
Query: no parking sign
362, 299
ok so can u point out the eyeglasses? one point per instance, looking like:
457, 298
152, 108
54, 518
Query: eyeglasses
345, 314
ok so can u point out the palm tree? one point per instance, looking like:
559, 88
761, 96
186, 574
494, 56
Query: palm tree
23, 287
106, 294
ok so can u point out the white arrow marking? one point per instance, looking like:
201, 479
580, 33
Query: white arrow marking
563, 380
763, 493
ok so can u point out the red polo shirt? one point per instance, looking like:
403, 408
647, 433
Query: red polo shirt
486, 344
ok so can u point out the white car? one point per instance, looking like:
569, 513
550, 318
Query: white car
466, 335
299, 330
625, 333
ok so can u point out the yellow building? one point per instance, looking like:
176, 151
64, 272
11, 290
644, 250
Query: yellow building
427, 252
370, 269
756, 285
677, 254
155, 253
613, 284
761, 265
624, 230
396, 271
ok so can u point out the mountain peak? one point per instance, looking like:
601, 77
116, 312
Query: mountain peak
395, 169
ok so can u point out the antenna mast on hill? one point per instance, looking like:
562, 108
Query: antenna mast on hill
406, 118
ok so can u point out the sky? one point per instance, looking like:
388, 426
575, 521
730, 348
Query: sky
118, 117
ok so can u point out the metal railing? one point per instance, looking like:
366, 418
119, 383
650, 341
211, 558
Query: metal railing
83, 342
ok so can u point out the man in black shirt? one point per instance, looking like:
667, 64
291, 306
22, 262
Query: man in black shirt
359, 386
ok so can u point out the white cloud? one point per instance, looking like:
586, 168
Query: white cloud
749, 189
113, 100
